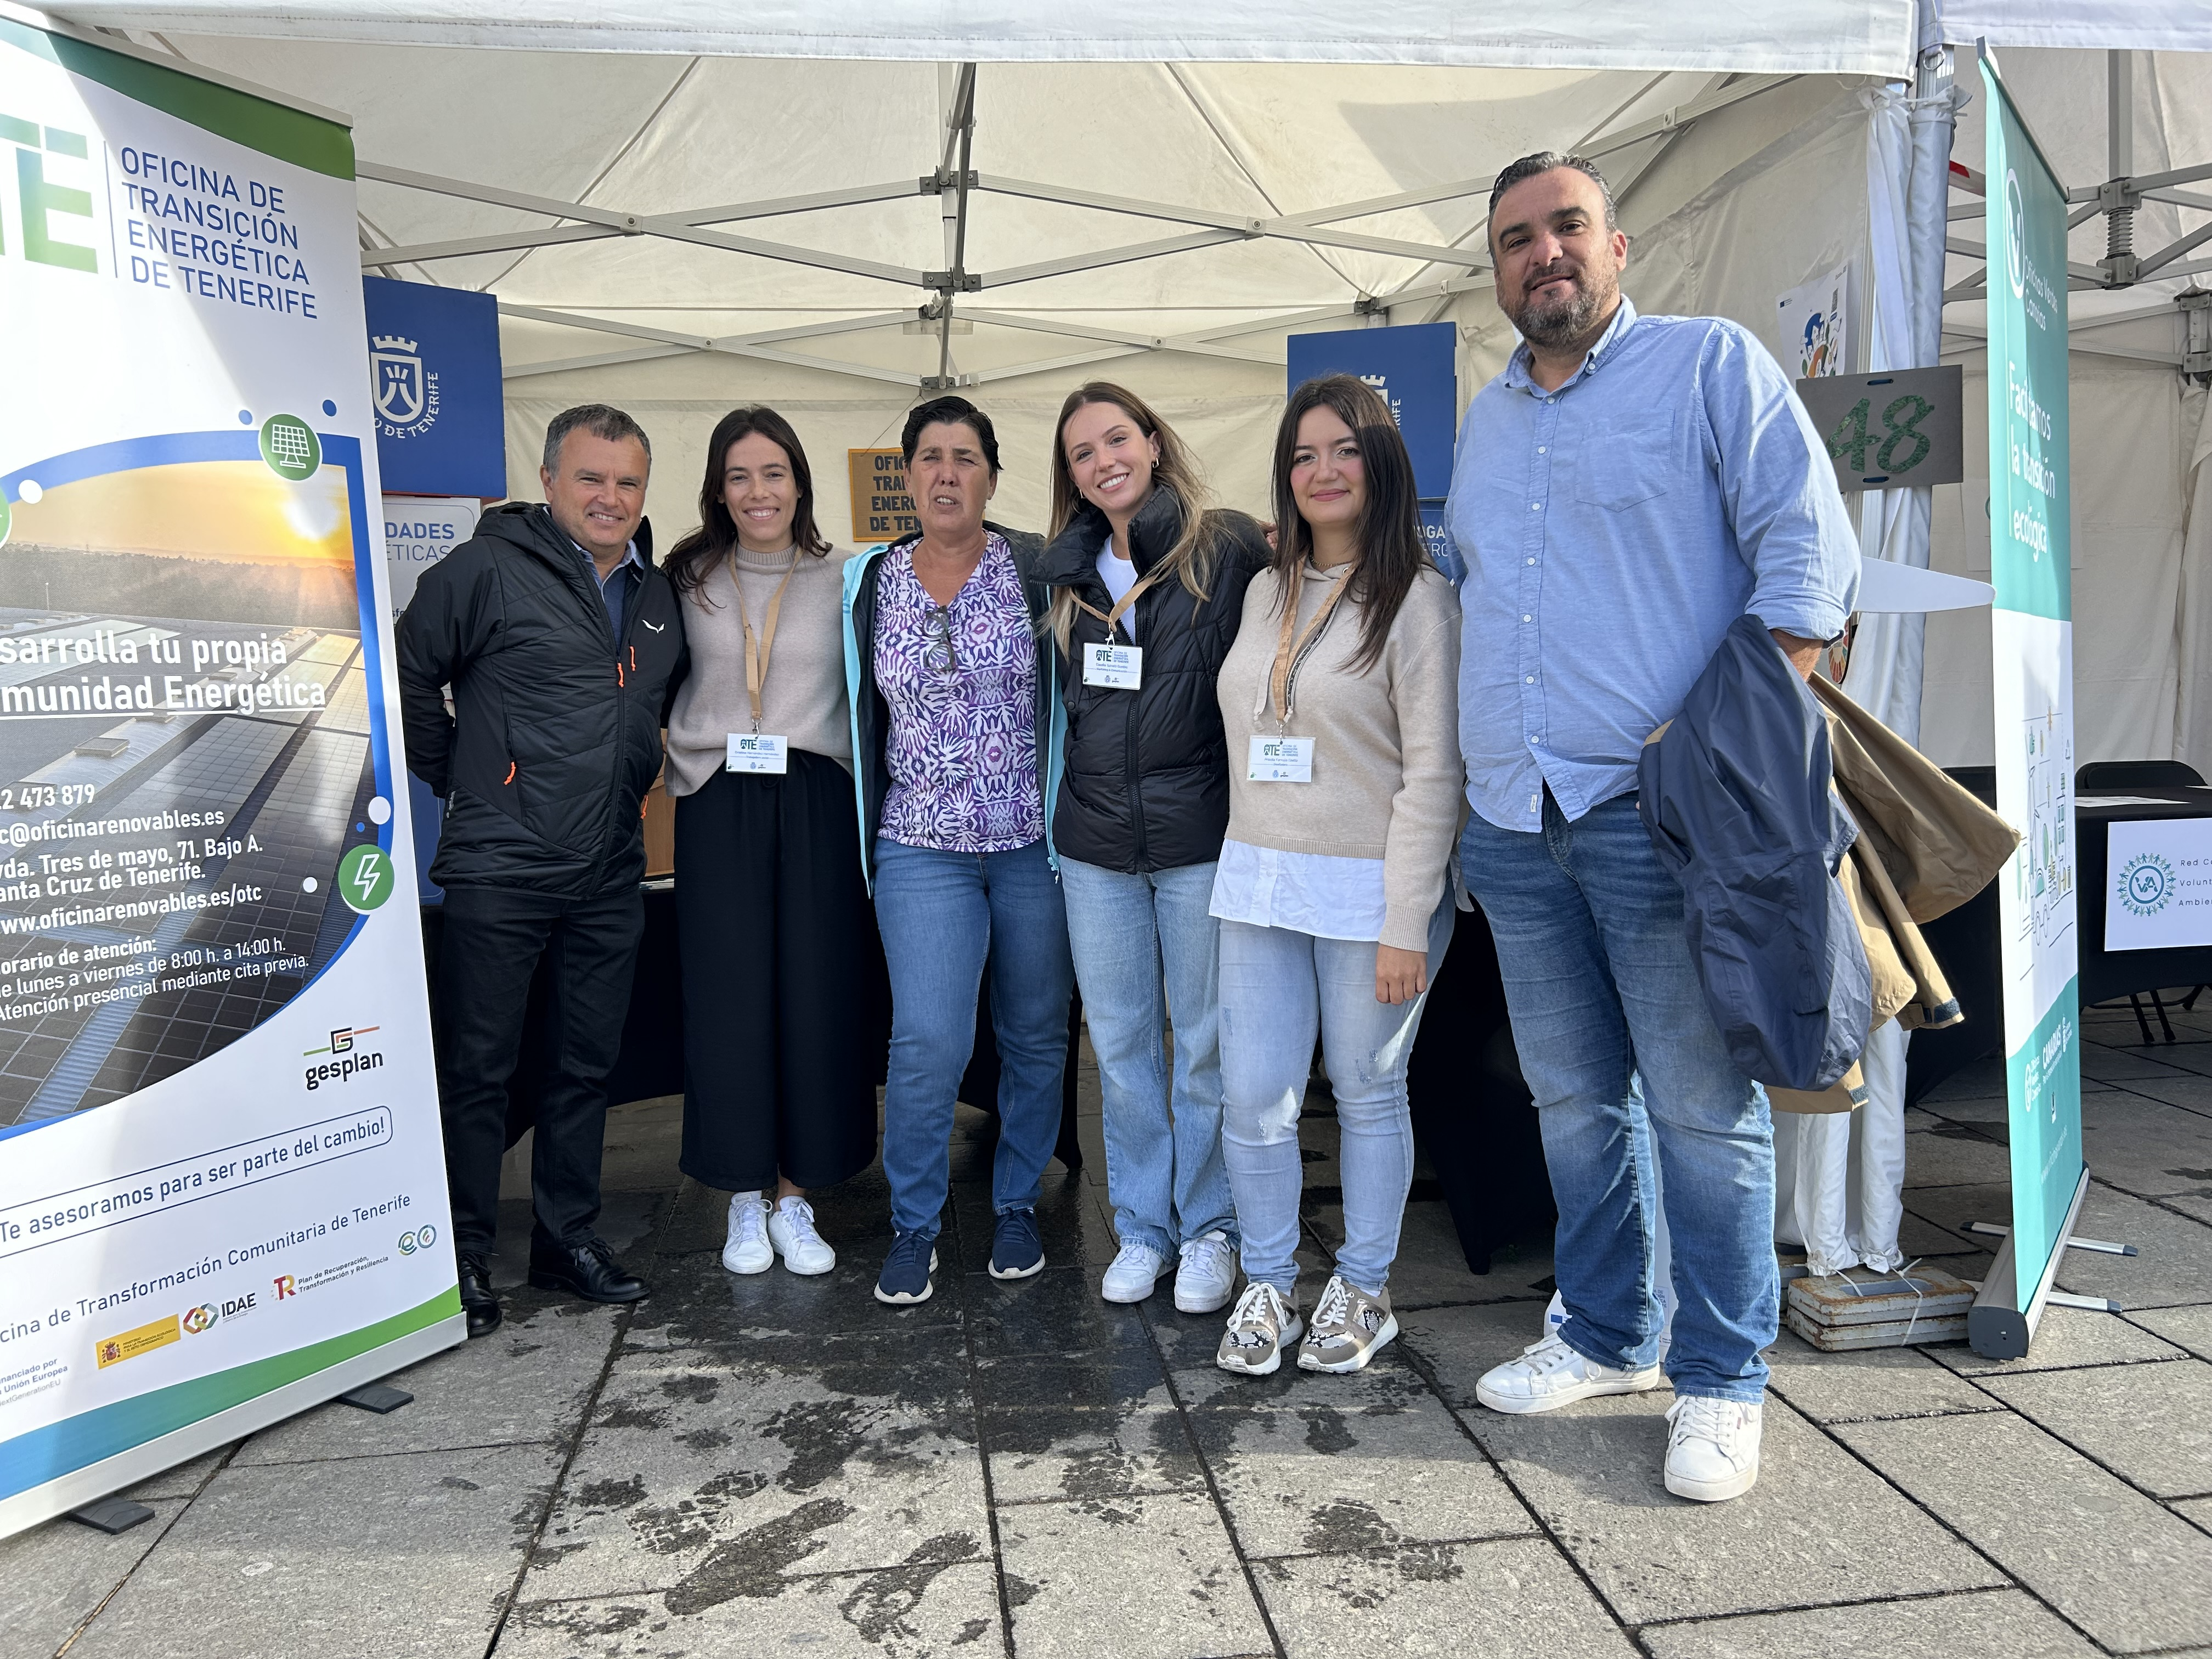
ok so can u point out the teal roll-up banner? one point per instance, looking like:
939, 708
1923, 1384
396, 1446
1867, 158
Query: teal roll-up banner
2032, 636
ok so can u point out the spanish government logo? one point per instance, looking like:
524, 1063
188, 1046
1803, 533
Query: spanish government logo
406, 394
2146, 884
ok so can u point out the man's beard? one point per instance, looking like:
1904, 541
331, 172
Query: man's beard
1555, 323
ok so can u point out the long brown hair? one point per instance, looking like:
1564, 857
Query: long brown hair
693, 559
1391, 550
1192, 557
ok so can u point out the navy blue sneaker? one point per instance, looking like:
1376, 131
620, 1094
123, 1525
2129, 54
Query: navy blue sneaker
1016, 1250
906, 1268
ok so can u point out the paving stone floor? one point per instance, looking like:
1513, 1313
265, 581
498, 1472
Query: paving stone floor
770, 1465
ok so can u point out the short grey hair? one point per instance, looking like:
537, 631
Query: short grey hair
1550, 161
601, 421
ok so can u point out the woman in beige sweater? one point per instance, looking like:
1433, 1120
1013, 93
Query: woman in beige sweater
1340, 701
785, 1004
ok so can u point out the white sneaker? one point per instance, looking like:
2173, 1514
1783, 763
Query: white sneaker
1549, 1374
1260, 1328
747, 1250
790, 1230
1208, 1274
1712, 1453
1132, 1272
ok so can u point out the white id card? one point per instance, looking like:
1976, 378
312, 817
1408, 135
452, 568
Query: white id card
756, 751
1117, 667
1281, 760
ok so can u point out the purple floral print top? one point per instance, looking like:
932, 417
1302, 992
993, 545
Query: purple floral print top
961, 750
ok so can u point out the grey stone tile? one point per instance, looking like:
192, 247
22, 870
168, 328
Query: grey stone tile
2189, 1090
643, 1140
1175, 1591
2174, 1265
830, 1460
1058, 1311
2065, 1337
1957, 1157
374, 1557
2193, 1054
1940, 1627
1318, 1480
2196, 1509
182, 1481
1491, 1601
1819, 1527
1112, 1379
626, 1222
1388, 1384
1869, 1385
2147, 1146
1072, 1225
1041, 1455
698, 1302
2127, 1571
1430, 1268
1460, 1344
2150, 1424
2126, 1063
917, 1612
2191, 1328
1980, 1108
1981, 1078
53, 1577
526, 1381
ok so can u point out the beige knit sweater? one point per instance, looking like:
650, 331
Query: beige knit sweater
803, 698
1387, 779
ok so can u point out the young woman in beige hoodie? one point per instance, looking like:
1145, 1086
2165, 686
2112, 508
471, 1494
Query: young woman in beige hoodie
1339, 698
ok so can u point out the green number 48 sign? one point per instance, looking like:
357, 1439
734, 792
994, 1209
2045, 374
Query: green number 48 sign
1894, 430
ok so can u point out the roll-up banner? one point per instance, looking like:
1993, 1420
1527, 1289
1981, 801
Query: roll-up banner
2032, 639
222, 1193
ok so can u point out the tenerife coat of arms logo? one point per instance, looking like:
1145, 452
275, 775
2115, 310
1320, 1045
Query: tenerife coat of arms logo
406, 393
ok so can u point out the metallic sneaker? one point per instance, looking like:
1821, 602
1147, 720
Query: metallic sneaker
1549, 1374
1207, 1275
1349, 1328
1712, 1449
790, 1230
1135, 1269
747, 1250
1259, 1327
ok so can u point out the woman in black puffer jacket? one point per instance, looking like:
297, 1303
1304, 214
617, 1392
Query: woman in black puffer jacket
1148, 587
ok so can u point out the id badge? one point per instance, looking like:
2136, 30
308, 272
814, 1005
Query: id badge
1281, 760
1117, 667
756, 751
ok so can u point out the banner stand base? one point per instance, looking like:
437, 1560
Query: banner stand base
1996, 1328
378, 1397
111, 1515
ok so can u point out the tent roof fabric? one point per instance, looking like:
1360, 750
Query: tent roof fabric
1833, 37
2092, 25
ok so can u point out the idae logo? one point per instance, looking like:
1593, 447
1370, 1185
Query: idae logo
52, 168
347, 1062
406, 393
2146, 884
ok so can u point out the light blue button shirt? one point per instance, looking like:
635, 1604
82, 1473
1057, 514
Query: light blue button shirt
1612, 529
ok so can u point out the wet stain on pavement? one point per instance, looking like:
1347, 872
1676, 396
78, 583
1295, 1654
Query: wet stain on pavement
879, 1604
754, 1561
611, 1494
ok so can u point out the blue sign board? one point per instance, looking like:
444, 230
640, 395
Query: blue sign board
434, 375
1415, 369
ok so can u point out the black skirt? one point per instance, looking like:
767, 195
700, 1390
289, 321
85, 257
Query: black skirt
787, 1003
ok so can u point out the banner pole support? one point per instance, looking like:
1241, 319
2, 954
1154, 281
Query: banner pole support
379, 1397
111, 1515
1997, 1326
2102, 1246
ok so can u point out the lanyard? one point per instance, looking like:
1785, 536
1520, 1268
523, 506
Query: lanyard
758, 647
1136, 591
1288, 655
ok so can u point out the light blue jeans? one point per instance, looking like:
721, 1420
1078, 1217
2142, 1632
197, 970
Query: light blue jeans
1278, 989
1147, 952
1600, 987
946, 917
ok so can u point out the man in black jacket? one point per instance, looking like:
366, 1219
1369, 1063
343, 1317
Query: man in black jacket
562, 645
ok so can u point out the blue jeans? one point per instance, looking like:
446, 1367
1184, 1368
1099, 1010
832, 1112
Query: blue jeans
1147, 953
945, 918
1601, 987
1279, 989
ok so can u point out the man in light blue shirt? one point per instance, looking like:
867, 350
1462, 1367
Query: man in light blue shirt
1622, 493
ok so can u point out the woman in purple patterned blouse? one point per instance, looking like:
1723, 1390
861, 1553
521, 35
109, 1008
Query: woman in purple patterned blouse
956, 709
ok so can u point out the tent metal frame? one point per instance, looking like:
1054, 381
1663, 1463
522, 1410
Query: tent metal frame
956, 184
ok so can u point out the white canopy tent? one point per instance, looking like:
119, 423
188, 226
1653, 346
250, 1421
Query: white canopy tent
679, 210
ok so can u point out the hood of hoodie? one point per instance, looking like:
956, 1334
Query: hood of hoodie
529, 525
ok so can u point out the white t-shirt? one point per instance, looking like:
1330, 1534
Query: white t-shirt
1120, 575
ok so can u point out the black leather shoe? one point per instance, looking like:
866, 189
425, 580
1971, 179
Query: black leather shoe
586, 1268
477, 1301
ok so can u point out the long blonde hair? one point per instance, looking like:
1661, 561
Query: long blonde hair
1192, 556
